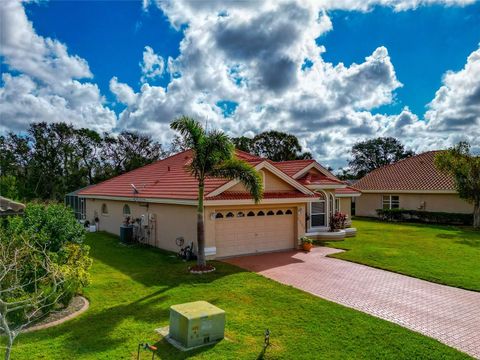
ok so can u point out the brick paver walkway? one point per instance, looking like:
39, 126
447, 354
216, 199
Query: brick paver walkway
447, 314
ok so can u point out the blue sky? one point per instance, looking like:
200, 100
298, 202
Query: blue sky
403, 68
423, 43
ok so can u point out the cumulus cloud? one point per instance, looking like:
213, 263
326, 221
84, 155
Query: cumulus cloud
152, 65
48, 87
248, 53
457, 103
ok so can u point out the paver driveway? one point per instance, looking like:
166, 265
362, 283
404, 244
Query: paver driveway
447, 314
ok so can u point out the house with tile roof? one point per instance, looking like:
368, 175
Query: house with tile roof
299, 197
413, 183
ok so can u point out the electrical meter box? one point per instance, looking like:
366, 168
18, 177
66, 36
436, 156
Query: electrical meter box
196, 323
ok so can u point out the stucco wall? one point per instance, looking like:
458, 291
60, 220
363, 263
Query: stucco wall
346, 206
272, 183
171, 221
368, 203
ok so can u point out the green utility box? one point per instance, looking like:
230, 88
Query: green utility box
196, 323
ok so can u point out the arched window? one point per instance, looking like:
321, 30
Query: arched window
288, 212
270, 213
230, 215
260, 213
218, 216
126, 210
251, 213
104, 209
279, 212
240, 214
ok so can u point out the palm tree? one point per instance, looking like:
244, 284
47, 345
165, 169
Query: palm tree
214, 157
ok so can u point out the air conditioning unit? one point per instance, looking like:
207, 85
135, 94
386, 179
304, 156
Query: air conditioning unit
196, 324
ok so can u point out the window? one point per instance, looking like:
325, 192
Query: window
317, 214
126, 210
218, 216
279, 212
270, 213
391, 202
230, 215
260, 213
288, 212
241, 214
104, 209
251, 213
337, 205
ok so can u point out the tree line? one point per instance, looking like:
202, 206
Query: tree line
50, 160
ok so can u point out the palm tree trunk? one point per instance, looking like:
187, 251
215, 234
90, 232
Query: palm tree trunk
200, 227
476, 215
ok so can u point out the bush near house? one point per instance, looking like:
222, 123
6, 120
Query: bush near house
53, 229
425, 216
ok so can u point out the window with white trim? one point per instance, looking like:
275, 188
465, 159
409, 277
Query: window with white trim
126, 210
390, 202
317, 214
337, 205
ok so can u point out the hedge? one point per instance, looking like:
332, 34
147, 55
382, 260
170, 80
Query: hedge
425, 216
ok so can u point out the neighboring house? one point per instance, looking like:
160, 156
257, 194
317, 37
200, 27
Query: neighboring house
298, 198
10, 207
413, 183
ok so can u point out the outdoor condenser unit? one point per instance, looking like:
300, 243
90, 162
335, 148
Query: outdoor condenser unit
196, 323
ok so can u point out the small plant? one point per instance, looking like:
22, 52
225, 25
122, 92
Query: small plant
337, 221
307, 243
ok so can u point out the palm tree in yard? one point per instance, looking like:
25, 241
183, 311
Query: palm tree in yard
213, 156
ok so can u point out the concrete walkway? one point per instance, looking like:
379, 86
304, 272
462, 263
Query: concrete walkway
447, 314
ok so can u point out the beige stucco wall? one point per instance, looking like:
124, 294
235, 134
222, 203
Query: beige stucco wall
346, 206
171, 221
368, 203
272, 183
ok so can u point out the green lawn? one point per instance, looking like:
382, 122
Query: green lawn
132, 289
444, 254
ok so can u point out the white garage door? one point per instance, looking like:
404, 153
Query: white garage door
249, 231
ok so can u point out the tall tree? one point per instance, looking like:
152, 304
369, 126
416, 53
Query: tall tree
274, 145
213, 155
371, 154
128, 151
465, 169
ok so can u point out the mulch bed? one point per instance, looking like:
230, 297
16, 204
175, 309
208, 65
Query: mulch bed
77, 306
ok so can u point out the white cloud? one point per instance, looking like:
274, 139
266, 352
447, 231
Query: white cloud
456, 105
152, 66
250, 53
48, 87
123, 92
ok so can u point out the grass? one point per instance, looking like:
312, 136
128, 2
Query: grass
444, 254
133, 287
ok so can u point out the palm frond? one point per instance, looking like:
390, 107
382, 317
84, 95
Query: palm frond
240, 170
190, 129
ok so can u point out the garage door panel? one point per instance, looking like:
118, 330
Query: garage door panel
251, 234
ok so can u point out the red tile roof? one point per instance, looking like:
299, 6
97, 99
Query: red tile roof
293, 166
240, 195
316, 179
415, 173
169, 179
347, 191
164, 179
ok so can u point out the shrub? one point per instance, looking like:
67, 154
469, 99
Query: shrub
425, 216
337, 221
54, 225
52, 228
